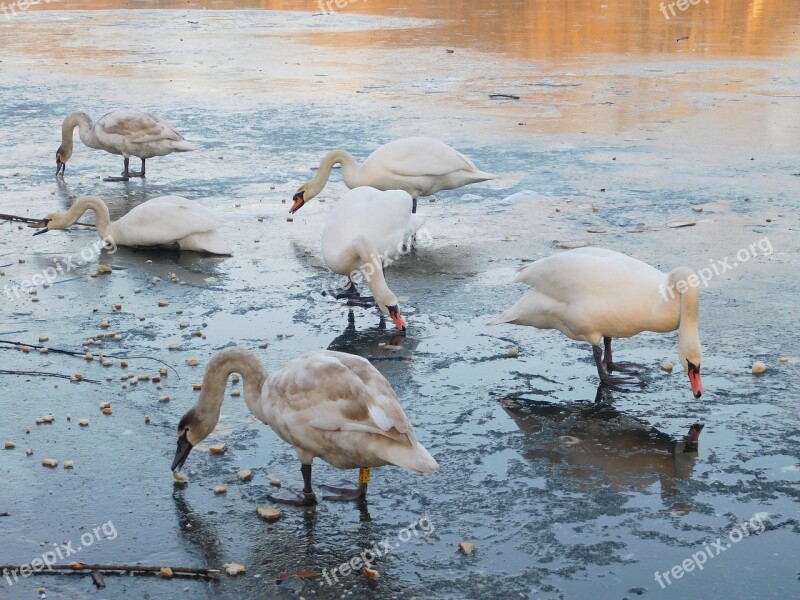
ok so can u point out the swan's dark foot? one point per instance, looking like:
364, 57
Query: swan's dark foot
605, 375
123, 178
610, 365
345, 491
621, 381
136, 173
292, 498
361, 301
625, 367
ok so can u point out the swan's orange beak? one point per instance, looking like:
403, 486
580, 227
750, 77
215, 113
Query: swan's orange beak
398, 319
694, 379
298, 202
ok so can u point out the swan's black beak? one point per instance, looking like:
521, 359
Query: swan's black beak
60, 167
298, 202
182, 453
41, 226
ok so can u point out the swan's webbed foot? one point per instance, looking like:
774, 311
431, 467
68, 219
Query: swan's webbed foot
361, 301
604, 373
123, 178
625, 367
622, 381
348, 291
305, 499
292, 498
610, 365
137, 173
345, 491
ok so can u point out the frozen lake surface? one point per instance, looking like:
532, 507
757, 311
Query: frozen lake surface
624, 122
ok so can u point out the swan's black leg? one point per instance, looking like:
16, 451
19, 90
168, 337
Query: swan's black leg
350, 293
611, 365
604, 374
346, 490
125, 173
307, 498
137, 173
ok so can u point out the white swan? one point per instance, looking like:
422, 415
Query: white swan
330, 405
123, 132
594, 295
365, 231
419, 165
166, 221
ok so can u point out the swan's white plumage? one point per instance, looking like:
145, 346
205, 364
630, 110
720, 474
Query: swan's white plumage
368, 224
590, 293
330, 405
420, 166
163, 221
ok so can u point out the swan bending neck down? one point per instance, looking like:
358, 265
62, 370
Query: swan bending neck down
326, 404
420, 166
594, 295
166, 221
122, 132
366, 230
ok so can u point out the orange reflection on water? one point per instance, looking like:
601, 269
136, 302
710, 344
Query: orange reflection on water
532, 29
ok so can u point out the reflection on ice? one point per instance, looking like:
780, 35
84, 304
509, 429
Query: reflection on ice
596, 440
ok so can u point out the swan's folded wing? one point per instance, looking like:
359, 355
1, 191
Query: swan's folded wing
161, 221
138, 128
414, 157
585, 272
343, 392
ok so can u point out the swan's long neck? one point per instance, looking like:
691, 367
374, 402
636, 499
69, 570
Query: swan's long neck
231, 360
349, 172
373, 271
85, 129
688, 328
102, 216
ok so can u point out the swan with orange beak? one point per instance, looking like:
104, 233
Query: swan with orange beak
594, 295
368, 230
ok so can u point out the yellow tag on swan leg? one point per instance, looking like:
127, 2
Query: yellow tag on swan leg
364, 475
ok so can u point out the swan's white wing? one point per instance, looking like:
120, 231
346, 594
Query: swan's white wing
414, 157
163, 221
384, 217
135, 127
587, 272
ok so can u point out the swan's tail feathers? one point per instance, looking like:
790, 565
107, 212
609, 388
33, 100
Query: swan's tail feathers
506, 317
206, 241
511, 314
183, 146
484, 176
414, 457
